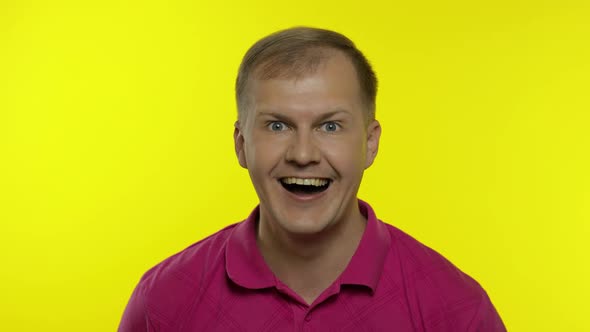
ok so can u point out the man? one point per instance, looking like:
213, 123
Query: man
311, 256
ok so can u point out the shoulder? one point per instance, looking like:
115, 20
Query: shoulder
173, 285
442, 296
417, 257
189, 261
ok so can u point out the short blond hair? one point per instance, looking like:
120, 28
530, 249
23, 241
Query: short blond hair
298, 51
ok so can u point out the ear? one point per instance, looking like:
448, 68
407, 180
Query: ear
239, 144
373, 136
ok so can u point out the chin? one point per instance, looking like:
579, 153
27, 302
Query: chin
304, 224
300, 218
303, 227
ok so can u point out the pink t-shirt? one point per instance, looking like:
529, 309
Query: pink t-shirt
392, 283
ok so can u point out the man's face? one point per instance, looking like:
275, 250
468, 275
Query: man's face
306, 144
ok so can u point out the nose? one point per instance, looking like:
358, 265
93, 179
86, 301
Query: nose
303, 149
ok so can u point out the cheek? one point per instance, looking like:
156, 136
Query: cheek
263, 151
347, 155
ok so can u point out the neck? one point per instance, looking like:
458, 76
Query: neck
309, 263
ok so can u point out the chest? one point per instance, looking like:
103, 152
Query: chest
356, 310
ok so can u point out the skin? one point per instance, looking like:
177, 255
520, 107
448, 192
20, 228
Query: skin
310, 127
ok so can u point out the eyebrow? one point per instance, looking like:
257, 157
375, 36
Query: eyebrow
286, 118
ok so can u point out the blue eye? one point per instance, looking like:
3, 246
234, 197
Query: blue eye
277, 126
330, 126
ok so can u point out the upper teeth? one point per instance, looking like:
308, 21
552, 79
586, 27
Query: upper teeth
305, 182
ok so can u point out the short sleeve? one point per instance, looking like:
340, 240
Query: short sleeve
135, 318
486, 318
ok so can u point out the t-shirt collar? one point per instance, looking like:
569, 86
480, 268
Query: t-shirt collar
244, 263
366, 265
246, 267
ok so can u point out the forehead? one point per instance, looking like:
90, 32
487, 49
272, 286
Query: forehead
333, 84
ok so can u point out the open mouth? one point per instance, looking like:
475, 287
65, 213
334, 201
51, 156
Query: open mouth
300, 186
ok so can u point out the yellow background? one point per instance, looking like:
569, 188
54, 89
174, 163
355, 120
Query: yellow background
116, 144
